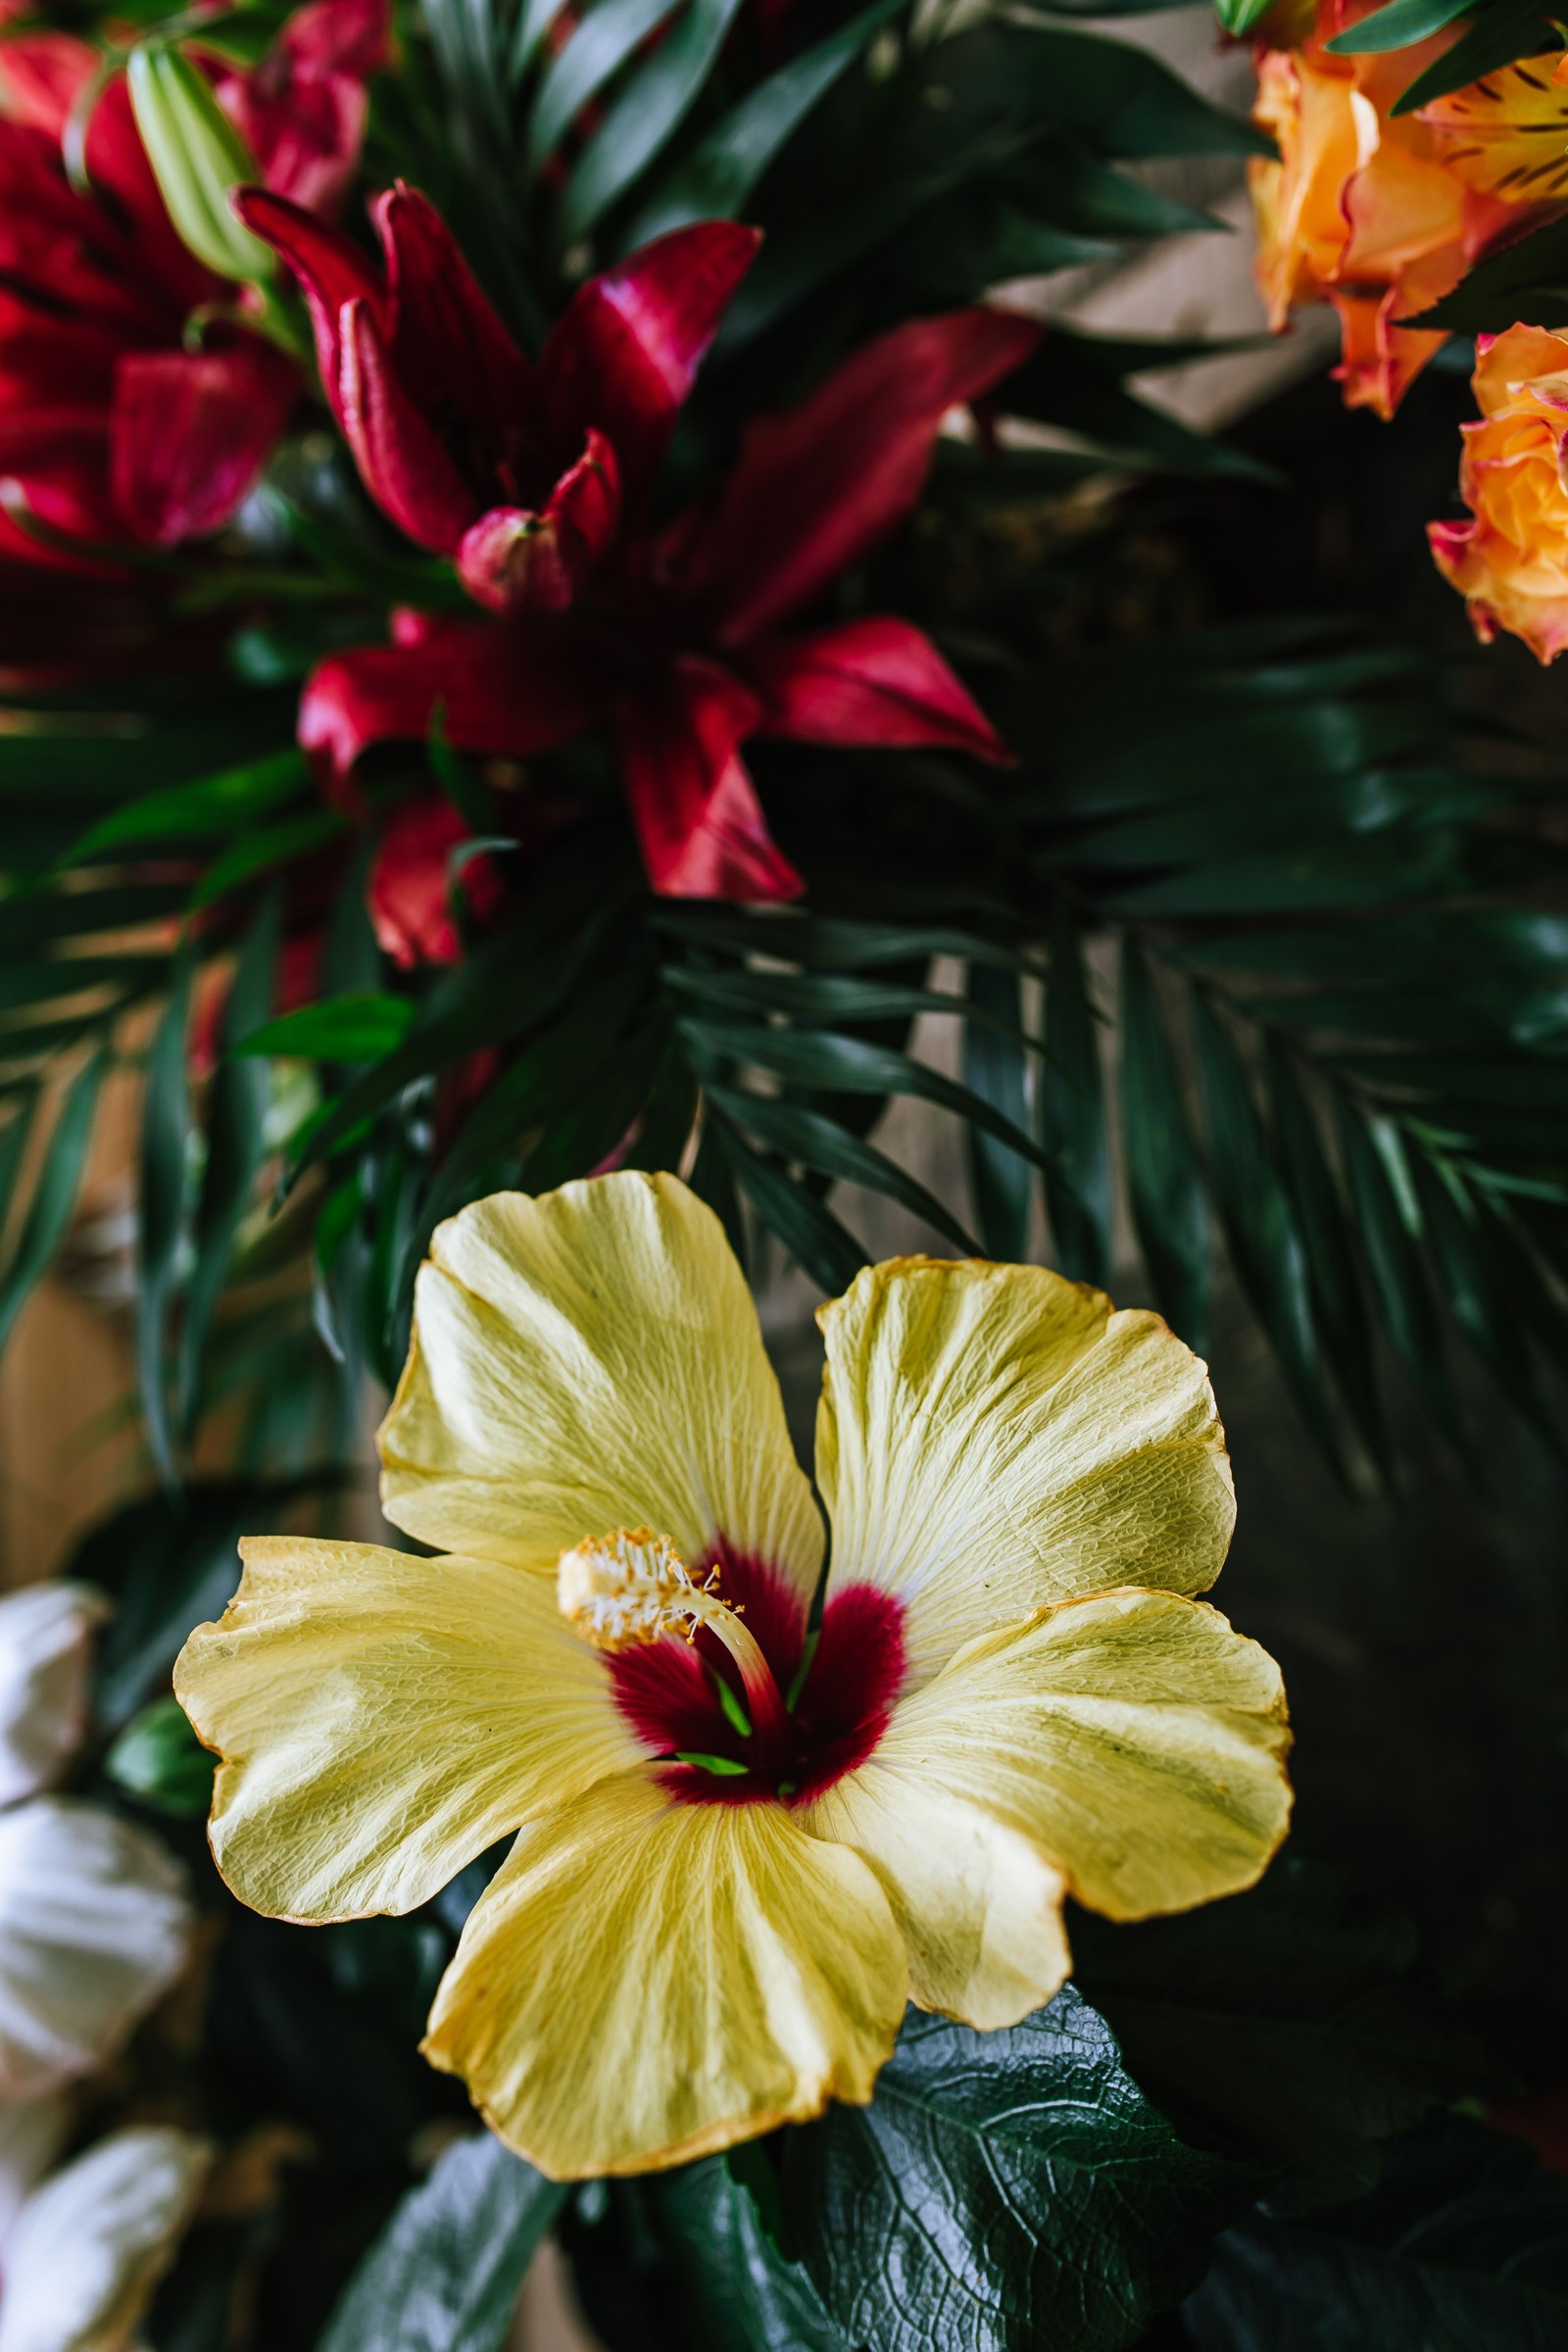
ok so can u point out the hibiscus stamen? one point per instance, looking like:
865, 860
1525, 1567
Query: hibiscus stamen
632, 1587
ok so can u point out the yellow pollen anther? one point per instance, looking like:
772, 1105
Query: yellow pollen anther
631, 1586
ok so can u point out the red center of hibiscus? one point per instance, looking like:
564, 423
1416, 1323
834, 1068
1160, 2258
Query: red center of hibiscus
838, 1691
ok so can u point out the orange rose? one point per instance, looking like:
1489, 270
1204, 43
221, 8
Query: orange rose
1511, 562
1382, 213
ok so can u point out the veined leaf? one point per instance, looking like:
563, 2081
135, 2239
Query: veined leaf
1070, 2211
54, 1194
995, 1069
445, 2273
1164, 1180
643, 116
719, 174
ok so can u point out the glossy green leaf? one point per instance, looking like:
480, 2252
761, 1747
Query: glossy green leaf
353, 1029
1070, 1109
826, 1251
162, 1196
446, 2272
1528, 277
158, 1759
211, 806
718, 175
740, 2292
1463, 2247
1399, 24
646, 114
1242, 17
1017, 2187
1501, 32
1164, 1180
995, 1069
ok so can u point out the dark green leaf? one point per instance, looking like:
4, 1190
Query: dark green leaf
355, 1028
1399, 24
1389, 1223
1070, 1108
236, 1122
604, 39
995, 1069
825, 1249
1463, 2247
54, 1194
1003, 2192
719, 174
211, 805
743, 2295
162, 1196
1164, 1181
643, 116
261, 849
1528, 279
158, 1759
1504, 30
1289, 2026
820, 1142
445, 2273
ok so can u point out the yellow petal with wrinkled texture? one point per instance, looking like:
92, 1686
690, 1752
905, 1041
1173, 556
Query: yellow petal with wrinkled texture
1135, 1737
385, 1719
993, 1440
646, 1981
586, 1361
978, 1905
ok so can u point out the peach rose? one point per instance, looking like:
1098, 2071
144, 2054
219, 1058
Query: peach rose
1383, 214
1511, 563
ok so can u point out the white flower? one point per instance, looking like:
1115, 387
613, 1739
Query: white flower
82, 2248
94, 1915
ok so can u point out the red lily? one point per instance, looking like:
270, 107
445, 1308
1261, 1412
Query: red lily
681, 638
520, 474
301, 109
110, 429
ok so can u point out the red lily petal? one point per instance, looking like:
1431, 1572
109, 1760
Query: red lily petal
514, 561
702, 832
329, 267
513, 691
306, 136
53, 467
877, 680
189, 432
451, 350
41, 77
626, 354
409, 895
817, 486
339, 36
402, 459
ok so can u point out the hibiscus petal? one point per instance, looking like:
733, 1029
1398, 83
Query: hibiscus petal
697, 819
645, 1982
512, 692
44, 1657
626, 354
587, 1361
189, 433
403, 461
992, 1439
817, 486
873, 681
382, 1720
91, 2245
94, 1923
978, 1905
1133, 1737
514, 561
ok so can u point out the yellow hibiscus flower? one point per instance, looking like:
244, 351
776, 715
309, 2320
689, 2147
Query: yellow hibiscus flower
743, 1841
